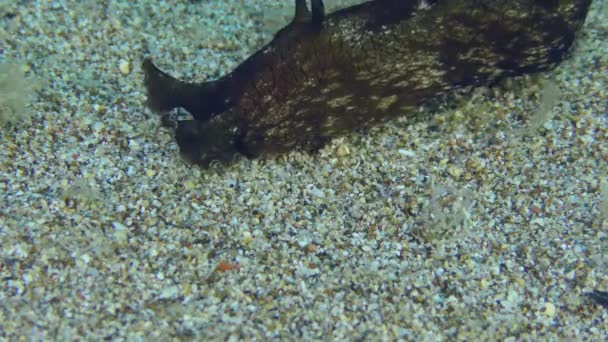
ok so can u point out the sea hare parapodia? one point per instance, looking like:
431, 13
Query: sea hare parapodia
324, 75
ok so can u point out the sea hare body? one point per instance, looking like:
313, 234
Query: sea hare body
324, 75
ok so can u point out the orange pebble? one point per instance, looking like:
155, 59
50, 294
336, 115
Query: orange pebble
224, 266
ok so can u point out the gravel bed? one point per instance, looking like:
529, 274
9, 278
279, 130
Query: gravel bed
484, 219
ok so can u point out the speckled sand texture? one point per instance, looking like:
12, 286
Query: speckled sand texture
485, 219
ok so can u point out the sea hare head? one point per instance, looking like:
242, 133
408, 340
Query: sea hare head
206, 138
205, 142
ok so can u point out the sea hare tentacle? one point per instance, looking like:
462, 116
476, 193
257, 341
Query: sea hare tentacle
325, 75
302, 13
318, 11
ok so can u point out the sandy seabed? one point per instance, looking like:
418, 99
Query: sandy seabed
486, 221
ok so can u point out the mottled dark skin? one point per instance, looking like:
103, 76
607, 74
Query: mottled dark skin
325, 75
599, 297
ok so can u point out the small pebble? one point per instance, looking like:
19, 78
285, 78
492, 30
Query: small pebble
124, 67
549, 309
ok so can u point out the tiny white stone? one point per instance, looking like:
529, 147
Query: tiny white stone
406, 153
125, 67
550, 309
134, 145
170, 292
85, 258
118, 225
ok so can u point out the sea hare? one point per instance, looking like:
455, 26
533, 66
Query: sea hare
324, 75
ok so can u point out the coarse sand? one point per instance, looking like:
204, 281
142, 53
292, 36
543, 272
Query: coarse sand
486, 219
